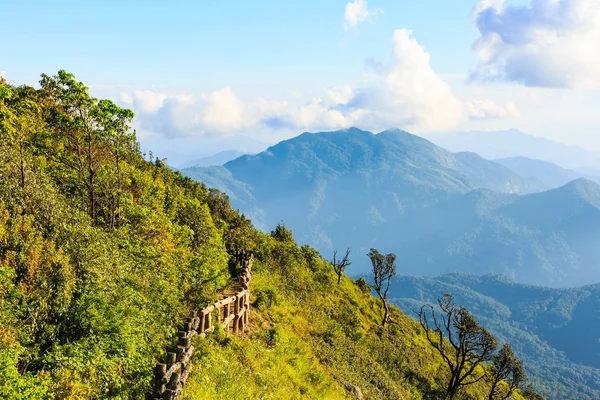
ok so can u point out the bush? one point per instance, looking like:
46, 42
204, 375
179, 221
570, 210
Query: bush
363, 285
265, 298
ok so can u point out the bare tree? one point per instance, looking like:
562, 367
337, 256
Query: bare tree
340, 265
506, 367
384, 268
460, 340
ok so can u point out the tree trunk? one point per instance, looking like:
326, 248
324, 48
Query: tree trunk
452, 385
22, 163
91, 178
386, 313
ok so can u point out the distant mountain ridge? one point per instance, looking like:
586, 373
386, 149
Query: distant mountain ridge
513, 143
219, 158
547, 173
555, 331
396, 191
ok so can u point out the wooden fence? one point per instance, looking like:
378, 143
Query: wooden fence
233, 308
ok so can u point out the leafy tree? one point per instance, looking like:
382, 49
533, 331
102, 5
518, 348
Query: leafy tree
460, 340
114, 121
101, 252
20, 120
87, 131
282, 233
506, 367
384, 269
531, 394
340, 265
363, 285
240, 238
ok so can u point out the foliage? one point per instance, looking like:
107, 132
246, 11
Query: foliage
308, 335
460, 340
508, 368
282, 233
384, 269
363, 285
101, 252
554, 331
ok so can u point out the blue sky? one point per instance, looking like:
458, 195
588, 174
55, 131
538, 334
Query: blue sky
223, 43
273, 69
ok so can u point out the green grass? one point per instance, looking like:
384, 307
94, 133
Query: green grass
307, 334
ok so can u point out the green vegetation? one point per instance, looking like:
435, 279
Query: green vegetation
309, 334
554, 331
102, 252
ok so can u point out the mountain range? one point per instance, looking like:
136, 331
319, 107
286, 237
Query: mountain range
514, 143
439, 211
187, 151
555, 331
219, 158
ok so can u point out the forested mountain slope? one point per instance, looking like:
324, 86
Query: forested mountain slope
102, 252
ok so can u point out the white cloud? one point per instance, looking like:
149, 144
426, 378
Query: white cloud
358, 11
224, 112
487, 109
550, 43
3, 74
406, 94
409, 94
178, 115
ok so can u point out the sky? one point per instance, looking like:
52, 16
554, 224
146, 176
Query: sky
207, 72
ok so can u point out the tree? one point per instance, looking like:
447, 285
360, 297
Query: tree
460, 340
239, 239
114, 122
506, 367
282, 233
384, 268
340, 265
20, 119
531, 394
86, 132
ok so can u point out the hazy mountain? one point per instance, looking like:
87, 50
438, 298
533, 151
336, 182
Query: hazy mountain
213, 160
543, 238
546, 172
440, 211
513, 143
182, 151
555, 331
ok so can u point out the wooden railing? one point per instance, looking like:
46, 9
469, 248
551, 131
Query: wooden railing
233, 309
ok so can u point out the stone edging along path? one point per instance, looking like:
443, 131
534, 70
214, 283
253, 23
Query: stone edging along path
233, 308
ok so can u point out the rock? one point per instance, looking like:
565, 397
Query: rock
355, 390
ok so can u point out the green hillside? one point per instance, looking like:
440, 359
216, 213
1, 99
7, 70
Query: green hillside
102, 252
555, 331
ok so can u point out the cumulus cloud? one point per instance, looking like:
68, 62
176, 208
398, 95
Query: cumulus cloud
3, 74
407, 94
487, 109
549, 43
357, 12
218, 112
